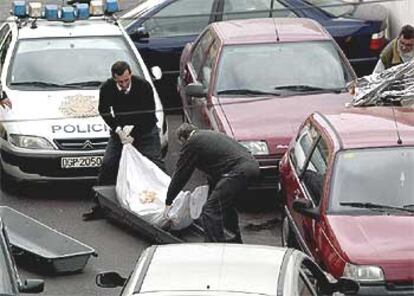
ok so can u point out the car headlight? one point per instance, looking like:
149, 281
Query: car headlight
256, 147
363, 273
30, 142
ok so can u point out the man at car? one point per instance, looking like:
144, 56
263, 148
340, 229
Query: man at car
398, 51
126, 100
229, 167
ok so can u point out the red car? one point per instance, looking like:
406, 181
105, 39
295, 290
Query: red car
256, 80
347, 181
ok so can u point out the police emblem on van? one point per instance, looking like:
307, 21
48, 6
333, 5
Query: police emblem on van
79, 106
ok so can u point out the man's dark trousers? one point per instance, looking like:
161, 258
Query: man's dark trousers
147, 144
219, 212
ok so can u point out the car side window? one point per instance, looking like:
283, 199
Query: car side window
4, 47
205, 74
302, 146
200, 49
180, 18
246, 9
315, 172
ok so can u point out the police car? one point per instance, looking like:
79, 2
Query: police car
52, 62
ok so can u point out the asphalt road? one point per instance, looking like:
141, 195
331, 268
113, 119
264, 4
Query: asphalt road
61, 205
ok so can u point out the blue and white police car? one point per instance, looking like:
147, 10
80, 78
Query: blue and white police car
52, 63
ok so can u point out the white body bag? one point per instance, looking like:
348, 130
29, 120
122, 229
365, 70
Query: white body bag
141, 187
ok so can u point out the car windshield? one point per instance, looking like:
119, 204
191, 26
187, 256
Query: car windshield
335, 8
130, 15
366, 179
6, 287
68, 62
283, 67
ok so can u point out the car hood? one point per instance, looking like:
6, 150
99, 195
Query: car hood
60, 114
384, 240
276, 119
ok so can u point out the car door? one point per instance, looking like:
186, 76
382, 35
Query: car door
192, 72
204, 107
312, 179
169, 29
302, 180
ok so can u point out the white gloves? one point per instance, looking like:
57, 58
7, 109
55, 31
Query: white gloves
123, 136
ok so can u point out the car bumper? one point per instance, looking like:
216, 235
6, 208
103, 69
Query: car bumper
382, 290
45, 166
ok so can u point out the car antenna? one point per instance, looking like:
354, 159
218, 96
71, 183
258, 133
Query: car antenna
276, 31
399, 141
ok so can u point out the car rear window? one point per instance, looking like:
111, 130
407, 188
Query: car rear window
381, 175
244, 9
335, 8
130, 15
62, 61
282, 66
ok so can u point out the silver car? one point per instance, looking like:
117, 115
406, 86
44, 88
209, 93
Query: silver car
224, 269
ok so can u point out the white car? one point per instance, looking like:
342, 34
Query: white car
224, 269
51, 70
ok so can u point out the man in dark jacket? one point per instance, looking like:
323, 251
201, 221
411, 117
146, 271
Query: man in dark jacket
229, 168
124, 100
400, 50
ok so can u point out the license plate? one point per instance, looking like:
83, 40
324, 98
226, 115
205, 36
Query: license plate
81, 162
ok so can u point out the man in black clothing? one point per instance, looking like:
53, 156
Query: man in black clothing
229, 168
127, 100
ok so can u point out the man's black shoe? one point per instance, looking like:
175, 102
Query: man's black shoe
95, 214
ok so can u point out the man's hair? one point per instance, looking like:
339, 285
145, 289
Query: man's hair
407, 31
184, 130
119, 68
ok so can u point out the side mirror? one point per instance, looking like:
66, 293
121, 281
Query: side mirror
156, 72
306, 208
195, 89
109, 280
32, 286
139, 34
346, 286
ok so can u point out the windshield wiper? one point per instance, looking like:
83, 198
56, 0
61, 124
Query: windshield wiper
246, 92
301, 87
41, 84
370, 205
85, 83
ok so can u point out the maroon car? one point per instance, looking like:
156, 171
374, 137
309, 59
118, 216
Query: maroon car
348, 185
256, 80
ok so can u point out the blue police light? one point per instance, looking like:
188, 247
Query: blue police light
82, 11
68, 14
51, 12
19, 8
112, 6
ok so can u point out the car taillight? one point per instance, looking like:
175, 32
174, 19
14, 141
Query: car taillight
377, 41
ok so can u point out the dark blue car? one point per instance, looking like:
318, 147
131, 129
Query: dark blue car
161, 28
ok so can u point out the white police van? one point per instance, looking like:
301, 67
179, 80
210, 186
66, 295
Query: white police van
52, 63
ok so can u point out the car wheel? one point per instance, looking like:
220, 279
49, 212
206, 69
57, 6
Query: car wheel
288, 237
7, 183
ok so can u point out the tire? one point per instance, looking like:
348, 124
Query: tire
7, 183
